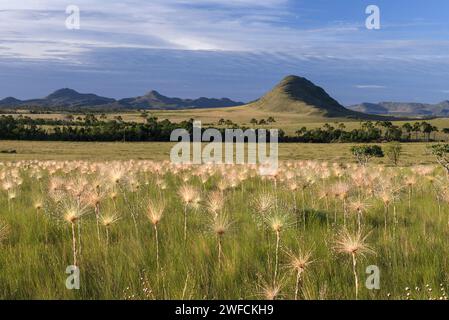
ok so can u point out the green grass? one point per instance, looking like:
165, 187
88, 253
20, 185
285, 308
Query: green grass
411, 252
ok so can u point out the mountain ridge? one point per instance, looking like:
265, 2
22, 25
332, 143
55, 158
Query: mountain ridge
293, 94
404, 108
67, 99
154, 100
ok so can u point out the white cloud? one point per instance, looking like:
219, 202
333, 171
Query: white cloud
159, 23
369, 86
35, 29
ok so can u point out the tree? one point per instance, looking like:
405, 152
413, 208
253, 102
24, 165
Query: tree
409, 129
271, 120
253, 121
384, 124
435, 130
144, 114
262, 122
427, 129
368, 125
364, 153
301, 131
393, 152
90, 119
393, 133
328, 127
416, 129
441, 153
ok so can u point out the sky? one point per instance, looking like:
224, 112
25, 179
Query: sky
226, 48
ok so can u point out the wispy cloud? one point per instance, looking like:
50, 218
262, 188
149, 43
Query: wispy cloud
369, 86
265, 26
173, 24
236, 48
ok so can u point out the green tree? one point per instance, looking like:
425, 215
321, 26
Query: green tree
393, 133
427, 129
435, 130
394, 152
363, 154
441, 153
416, 129
409, 129
90, 119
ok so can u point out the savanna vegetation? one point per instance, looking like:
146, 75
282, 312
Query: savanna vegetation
148, 229
91, 128
153, 230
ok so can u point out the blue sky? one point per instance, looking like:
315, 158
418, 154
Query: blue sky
226, 48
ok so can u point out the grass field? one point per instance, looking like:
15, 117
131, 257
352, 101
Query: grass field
138, 227
143, 230
413, 153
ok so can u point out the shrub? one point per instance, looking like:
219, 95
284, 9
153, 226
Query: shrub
393, 152
441, 153
364, 153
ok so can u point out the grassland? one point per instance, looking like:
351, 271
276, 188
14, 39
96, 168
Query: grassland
413, 153
243, 230
209, 240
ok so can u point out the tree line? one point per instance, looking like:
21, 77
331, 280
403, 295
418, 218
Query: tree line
370, 132
93, 128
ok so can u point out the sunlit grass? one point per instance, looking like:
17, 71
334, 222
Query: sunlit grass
170, 232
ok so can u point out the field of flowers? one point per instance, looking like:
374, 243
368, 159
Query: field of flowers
154, 230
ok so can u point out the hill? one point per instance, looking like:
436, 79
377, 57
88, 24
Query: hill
300, 96
293, 95
409, 109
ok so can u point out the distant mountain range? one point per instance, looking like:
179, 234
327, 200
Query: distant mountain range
71, 100
292, 95
154, 100
404, 109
